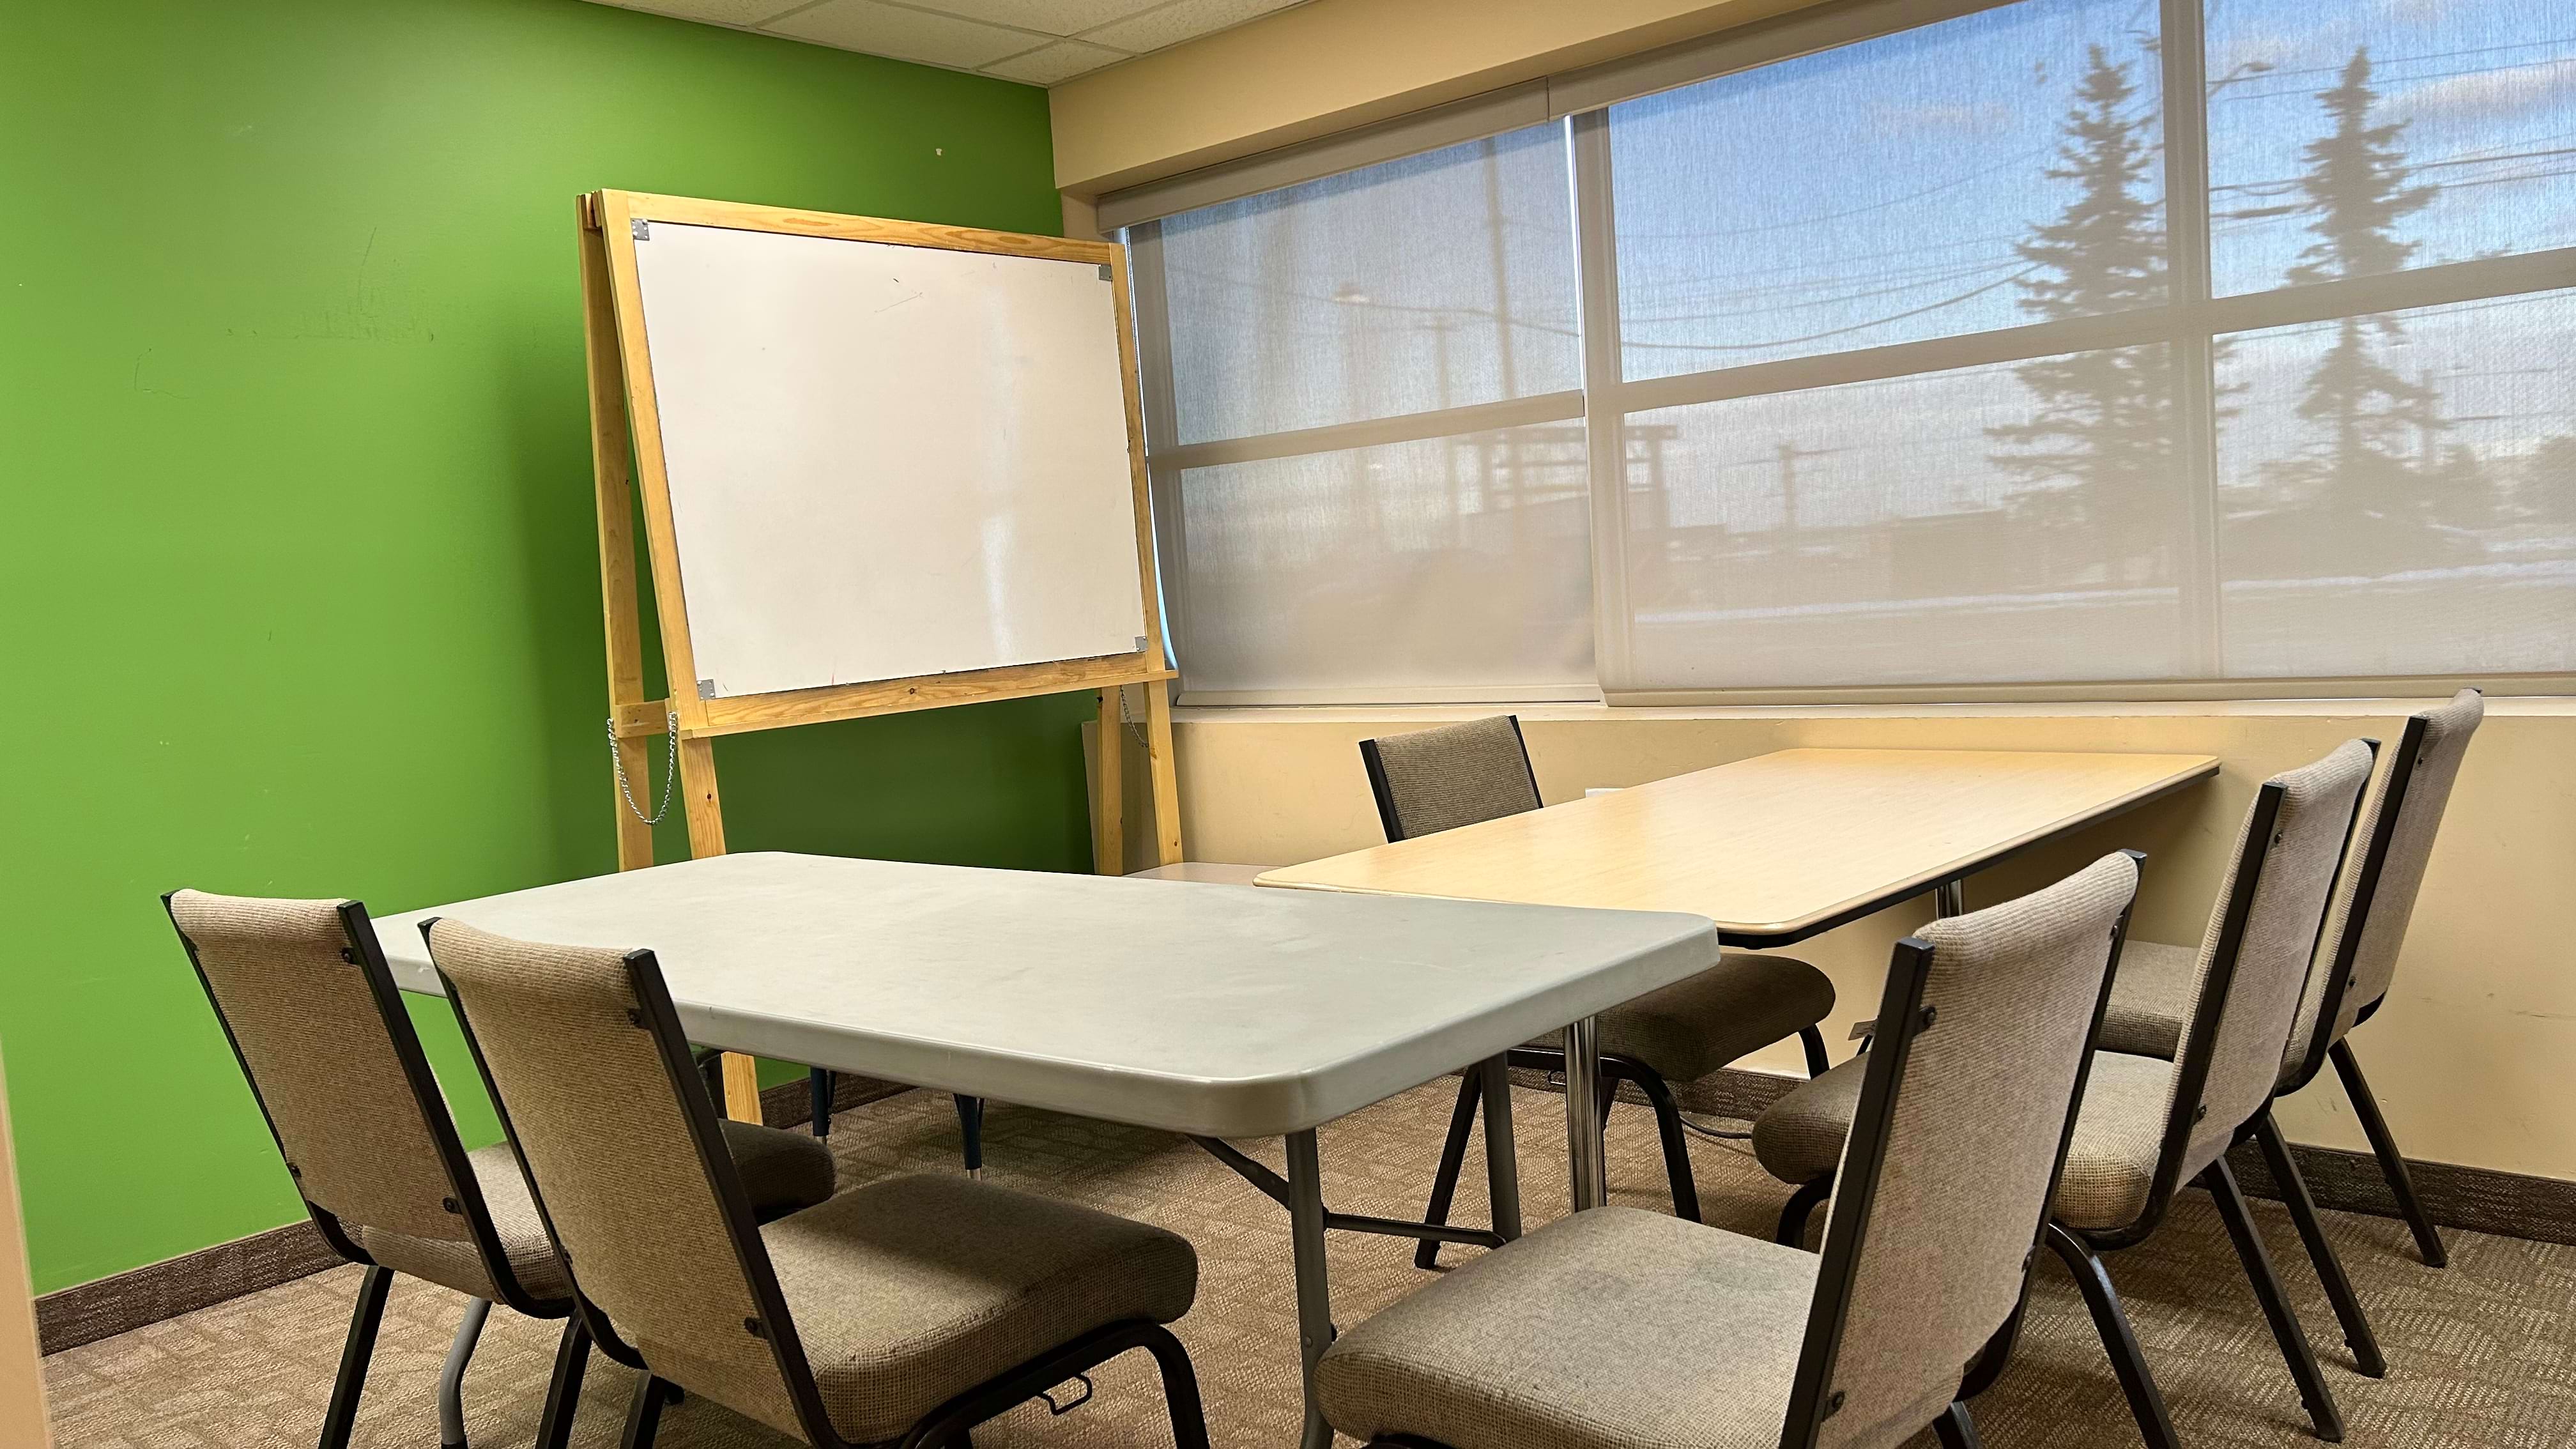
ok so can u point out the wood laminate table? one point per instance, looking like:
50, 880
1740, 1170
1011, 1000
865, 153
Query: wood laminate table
1774, 849
1211, 1010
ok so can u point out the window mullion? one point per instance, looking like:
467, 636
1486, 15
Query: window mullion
2193, 355
1606, 424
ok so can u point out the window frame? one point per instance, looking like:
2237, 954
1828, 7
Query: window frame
2189, 321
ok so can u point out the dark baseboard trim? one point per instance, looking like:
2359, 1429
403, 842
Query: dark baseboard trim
120, 1303
70, 1317
2473, 1199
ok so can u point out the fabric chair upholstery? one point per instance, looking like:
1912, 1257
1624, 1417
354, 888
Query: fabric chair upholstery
2152, 996
908, 1292
1452, 775
781, 1171
2118, 1137
1611, 1329
1695, 1027
1623, 1328
874, 1308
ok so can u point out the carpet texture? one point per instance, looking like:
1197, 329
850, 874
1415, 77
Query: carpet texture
2482, 1354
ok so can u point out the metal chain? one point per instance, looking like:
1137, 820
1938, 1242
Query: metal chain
670, 769
1129, 720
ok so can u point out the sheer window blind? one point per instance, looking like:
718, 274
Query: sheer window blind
1367, 432
2107, 345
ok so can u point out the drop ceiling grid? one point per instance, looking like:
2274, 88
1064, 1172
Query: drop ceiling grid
1036, 42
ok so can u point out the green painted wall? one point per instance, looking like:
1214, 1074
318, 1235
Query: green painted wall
296, 560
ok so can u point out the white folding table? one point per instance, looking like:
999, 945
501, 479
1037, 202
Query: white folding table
1209, 1010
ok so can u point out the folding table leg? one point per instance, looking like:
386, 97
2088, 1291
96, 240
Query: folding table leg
1950, 898
1314, 1290
1585, 1152
1502, 1158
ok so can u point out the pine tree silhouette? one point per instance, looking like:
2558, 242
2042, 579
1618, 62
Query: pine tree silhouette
2357, 188
2105, 422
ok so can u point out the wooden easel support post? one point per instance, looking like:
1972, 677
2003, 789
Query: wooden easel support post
628, 466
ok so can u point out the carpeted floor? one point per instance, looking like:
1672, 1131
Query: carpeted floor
2483, 1353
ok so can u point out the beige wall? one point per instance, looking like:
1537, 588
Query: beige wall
1332, 65
2469, 1057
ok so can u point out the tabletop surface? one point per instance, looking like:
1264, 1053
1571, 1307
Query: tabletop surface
1210, 1009
1772, 848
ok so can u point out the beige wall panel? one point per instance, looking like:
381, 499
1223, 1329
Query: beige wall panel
1331, 65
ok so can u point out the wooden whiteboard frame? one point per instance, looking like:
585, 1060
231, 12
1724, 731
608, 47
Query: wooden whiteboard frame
627, 456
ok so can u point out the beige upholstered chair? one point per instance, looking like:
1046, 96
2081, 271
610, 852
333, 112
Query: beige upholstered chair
2149, 1125
2356, 957
301, 991
1616, 1328
1453, 775
907, 1310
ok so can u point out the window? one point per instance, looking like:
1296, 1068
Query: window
1909, 369
1366, 430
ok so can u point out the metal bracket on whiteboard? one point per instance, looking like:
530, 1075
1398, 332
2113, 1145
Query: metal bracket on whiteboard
706, 689
1104, 272
643, 229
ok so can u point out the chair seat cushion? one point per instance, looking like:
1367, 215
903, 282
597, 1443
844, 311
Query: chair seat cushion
909, 1292
2109, 1165
1692, 1028
783, 1171
2150, 997
455, 1264
1611, 1329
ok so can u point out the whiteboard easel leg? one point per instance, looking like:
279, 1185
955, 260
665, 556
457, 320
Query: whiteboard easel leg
1109, 789
1167, 785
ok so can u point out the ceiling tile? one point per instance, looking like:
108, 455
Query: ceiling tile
1048, 64
904, 34
1181, 20
1053, 17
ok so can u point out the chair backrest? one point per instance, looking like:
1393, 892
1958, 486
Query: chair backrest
1967, 1102
2254, 958
1451, 775
613, 1126
303, 994
2375, 897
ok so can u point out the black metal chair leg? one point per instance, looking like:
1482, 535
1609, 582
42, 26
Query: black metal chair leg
563, 1390
818, 1083
1453, 1156
2392, 1163
1792, 1231
1668, 1126
2111, 1321
643, 1413
2322, 1413
364, 1318
1181, 1390
2357, 1336
1817, 1062
970, 1125
1956, 1430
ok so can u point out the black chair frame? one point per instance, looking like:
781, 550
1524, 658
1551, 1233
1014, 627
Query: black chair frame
948, 1424
366, 954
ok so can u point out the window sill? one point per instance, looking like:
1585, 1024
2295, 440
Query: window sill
2498, 706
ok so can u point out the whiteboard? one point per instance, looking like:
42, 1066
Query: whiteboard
887, 460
